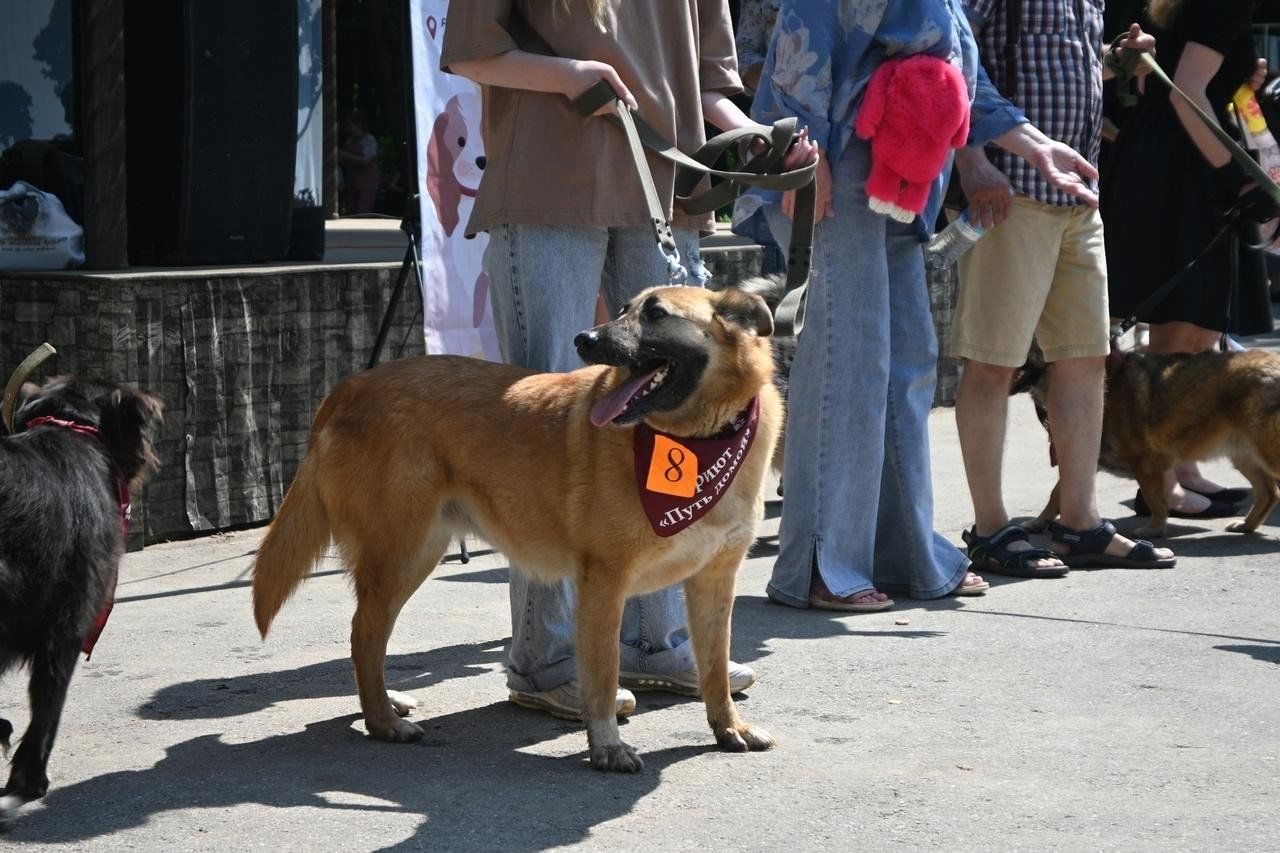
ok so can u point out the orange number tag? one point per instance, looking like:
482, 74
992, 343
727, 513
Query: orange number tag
673, 469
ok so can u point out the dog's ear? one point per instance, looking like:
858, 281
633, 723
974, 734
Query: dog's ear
745, 310
442, 185
129, 419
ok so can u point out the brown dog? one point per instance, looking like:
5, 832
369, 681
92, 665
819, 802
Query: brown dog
1165, 409
545, 467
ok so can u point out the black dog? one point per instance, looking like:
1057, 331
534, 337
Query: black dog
65, 477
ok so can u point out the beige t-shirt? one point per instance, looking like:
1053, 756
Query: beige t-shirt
545, 163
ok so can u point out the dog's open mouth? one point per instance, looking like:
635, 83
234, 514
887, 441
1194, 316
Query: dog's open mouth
627, 404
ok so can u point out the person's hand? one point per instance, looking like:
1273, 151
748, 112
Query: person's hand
802, 152
1138, 41
1064, 168
822, 207
986, 188
582, 74
1259, 78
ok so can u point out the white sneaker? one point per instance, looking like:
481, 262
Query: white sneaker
685, 683
565, 701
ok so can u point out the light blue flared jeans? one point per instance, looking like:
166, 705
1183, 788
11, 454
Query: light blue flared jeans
858, 503
543, 285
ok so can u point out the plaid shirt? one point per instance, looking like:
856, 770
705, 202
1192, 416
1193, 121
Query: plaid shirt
1059, 79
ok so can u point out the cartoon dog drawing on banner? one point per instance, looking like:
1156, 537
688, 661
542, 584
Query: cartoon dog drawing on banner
455, 164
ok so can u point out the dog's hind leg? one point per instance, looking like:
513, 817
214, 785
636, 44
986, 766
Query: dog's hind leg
709, 599
1266, 494
600, 599
1049, 513
51, 670
384, 581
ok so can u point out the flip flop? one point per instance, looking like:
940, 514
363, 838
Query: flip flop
971, 588
1088, 549
847, 604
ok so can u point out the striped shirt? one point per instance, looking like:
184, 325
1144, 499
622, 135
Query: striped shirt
1059, 79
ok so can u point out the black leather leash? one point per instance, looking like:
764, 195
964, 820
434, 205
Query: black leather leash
761, 171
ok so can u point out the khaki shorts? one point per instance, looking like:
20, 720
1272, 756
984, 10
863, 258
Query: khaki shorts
1043, 271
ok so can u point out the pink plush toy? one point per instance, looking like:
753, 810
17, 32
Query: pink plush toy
915, 110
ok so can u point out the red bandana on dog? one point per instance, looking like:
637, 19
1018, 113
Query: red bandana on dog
126, 507
681, 479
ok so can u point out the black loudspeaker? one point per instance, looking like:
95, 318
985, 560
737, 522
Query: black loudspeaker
211, 90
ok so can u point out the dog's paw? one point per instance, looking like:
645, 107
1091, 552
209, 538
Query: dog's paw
398, 731
744, 738
403, 703
619, 758
6, 731
1241, 526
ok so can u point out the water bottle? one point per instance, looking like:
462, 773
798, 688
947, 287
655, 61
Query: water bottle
951, 242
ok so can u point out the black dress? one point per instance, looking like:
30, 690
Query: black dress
1157, 192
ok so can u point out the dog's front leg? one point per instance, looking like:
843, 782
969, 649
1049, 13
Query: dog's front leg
599, 617
709, 599
1150, 479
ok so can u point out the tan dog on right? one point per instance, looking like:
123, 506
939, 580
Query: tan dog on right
1183, 407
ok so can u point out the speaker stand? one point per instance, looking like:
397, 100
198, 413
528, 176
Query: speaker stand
411, 225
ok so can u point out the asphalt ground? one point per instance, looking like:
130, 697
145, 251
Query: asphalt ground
1109, 710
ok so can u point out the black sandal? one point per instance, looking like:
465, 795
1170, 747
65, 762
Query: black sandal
992, 554
1088, 549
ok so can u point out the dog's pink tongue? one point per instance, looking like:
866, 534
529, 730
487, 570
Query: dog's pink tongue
613, 404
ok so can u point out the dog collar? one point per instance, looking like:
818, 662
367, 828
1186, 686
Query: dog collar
126, 513
680, 479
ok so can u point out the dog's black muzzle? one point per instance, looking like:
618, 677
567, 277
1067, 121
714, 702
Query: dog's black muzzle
608, 345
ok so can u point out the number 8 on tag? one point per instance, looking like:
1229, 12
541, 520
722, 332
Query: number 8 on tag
673, 469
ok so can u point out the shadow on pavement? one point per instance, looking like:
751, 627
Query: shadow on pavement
215, 698
468, 779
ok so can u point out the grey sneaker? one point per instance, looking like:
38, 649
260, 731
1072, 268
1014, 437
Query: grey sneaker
685, 683
565, 701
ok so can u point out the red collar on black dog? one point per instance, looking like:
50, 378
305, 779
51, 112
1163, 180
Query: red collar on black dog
126, 510
677, 490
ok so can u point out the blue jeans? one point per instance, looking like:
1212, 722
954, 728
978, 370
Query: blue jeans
543, 285
859, 495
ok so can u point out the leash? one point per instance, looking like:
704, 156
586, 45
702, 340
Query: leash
19, 376
788, 317
761, 171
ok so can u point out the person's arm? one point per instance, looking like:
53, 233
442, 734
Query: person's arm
1195, 69
1059, 163
518, 69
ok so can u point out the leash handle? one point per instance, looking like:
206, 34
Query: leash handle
19, 376
758, 172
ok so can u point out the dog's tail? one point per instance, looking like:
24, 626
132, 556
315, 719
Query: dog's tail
297, 540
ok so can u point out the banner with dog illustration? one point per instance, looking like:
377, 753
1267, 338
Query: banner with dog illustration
455, 292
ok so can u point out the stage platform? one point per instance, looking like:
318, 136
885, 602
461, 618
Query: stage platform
241, 356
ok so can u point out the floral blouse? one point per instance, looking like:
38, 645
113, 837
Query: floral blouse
823, 52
